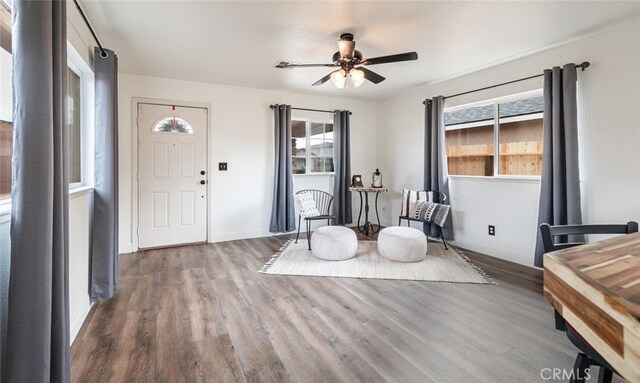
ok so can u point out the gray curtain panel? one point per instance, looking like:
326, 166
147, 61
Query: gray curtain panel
282, 210
342, 168
37, 348
436, 176
104, 238
560, 185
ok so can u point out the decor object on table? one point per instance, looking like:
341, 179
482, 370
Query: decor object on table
368, 226
402, 244
377, 179
436, 175
356, 181
560, 181
313, 205
440, 266
424, 206
334, 243
342, 209
595, 264
346, 59
282, 208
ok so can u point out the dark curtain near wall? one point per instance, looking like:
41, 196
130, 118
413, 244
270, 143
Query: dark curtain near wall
37, 348
282, 209
104, 243
560, 183
342, 168
436, 176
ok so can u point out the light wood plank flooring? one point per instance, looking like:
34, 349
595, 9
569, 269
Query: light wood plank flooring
203, 314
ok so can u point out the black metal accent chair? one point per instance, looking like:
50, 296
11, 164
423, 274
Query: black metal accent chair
438, 197
587, 356
323, 202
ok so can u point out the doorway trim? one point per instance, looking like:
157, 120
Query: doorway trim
135, 139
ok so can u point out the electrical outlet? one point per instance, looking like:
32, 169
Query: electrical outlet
222, 166
492, 230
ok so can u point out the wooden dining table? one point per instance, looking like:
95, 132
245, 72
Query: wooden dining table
596, 288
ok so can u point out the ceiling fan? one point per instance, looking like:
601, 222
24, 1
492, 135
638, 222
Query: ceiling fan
351, 64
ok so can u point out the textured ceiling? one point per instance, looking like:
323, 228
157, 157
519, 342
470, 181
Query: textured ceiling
237, 43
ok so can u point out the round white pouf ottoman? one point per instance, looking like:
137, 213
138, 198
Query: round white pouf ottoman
334, 243
402, 244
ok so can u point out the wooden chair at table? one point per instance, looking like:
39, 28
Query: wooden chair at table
323, 202
587, 356
422, 195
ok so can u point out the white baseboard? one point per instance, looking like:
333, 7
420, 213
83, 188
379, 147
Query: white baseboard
494, 252
79, 317
125, 248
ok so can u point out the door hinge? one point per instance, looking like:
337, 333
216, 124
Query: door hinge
138, 176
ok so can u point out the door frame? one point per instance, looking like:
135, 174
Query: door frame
135, 166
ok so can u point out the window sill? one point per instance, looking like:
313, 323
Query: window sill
518, 179
80, 191
5, 207
315, 175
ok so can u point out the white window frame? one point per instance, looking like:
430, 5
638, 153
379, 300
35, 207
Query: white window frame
5, 205
307, 134
82, 69
496, 129
74, 69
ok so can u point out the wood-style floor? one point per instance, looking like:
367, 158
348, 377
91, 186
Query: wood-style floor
203, 314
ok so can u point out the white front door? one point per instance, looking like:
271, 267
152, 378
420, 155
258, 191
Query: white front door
172, 175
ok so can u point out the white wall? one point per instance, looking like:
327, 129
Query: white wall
241, 133
80, 207
609, 138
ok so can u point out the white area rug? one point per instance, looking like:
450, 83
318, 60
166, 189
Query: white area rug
440, 265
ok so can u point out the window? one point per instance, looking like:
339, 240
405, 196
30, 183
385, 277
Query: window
6, 103
80, 119
499, 137
79, 101
311, 147
173, 125
74, 121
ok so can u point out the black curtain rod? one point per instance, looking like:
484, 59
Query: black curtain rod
310, 110
582, 66
103, 53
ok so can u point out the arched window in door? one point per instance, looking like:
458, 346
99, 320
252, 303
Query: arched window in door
173, 125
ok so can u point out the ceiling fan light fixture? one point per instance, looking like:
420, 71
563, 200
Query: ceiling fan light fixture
357, 77
353, 70
339, 78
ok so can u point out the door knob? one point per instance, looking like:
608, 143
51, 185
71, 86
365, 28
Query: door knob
202, 182
202, 172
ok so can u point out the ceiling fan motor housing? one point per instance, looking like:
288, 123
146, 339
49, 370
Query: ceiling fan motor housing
357, 57
346, 36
